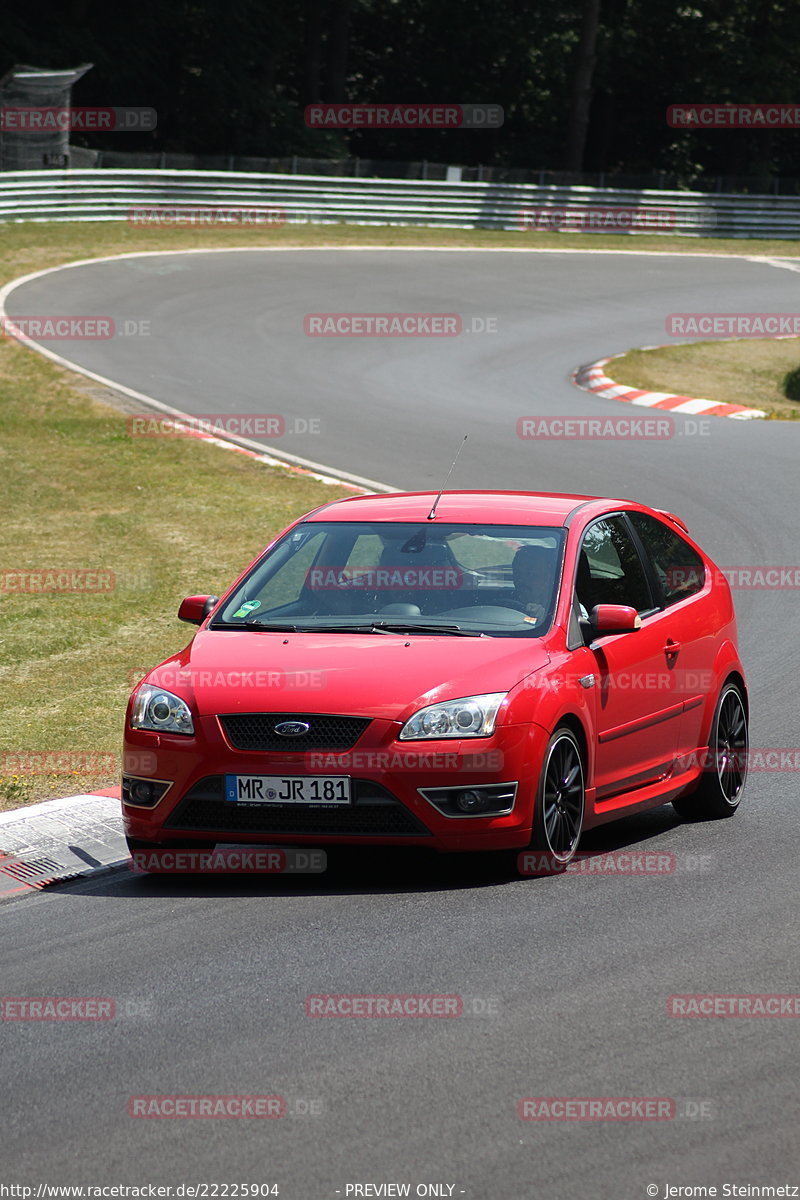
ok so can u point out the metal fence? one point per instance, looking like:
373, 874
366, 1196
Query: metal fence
381, 168
162, 197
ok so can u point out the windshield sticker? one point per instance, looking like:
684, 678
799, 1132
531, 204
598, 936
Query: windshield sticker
247, 608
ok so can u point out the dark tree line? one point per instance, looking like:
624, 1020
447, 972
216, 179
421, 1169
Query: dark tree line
585, 84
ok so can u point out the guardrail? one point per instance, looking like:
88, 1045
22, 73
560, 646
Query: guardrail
116, 195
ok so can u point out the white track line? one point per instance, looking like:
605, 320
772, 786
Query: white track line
279, 457
329, 474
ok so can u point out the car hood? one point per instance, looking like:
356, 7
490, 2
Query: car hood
379, 675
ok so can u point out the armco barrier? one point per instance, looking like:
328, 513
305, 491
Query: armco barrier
109, 195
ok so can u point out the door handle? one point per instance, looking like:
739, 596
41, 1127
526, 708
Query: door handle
671, 648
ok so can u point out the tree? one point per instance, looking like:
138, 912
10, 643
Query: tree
585, 57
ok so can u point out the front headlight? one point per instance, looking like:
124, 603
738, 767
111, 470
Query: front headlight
474, 716
156, 709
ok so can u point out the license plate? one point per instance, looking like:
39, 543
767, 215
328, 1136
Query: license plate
287, 789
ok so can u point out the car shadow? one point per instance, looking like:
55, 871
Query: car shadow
373, 870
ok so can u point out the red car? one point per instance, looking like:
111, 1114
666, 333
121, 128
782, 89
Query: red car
477, 670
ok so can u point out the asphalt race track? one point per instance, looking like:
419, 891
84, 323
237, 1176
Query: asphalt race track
567, 979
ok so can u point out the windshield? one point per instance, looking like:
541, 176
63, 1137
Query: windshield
500, 580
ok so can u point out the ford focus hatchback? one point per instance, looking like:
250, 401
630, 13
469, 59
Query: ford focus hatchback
477, 670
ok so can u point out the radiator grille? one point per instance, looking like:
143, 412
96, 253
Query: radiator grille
256, 731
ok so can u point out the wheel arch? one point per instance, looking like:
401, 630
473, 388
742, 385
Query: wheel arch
737, 677
727, 669
574, 723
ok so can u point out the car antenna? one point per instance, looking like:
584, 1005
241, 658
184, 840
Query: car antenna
432, 513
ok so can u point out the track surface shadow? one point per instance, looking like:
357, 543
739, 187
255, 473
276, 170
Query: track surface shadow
372, 870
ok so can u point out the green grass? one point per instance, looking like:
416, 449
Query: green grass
36, 245
751, 372
168, 517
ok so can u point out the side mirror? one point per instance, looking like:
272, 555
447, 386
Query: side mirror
614, 618
195, 609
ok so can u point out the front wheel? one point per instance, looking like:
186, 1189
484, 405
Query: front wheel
560, 801
723, 780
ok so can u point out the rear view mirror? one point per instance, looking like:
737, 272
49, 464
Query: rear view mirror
614, 618
195, 609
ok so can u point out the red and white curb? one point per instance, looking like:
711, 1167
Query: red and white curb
61, 839
592, 378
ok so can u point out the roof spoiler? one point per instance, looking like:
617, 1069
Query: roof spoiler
671, 516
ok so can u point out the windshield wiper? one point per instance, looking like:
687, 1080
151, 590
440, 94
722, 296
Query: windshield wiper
288, 627
392, 627
240, 625
252, 623
275, 626
366, 627
408, 627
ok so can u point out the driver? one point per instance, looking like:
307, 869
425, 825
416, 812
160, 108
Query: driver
533, 570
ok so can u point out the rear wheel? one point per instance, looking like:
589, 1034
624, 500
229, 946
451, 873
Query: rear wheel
560, 801
723, 780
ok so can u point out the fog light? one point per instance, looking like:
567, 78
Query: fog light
471, 802
483, 800
145, 793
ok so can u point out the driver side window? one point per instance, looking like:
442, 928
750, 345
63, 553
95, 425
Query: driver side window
609, 568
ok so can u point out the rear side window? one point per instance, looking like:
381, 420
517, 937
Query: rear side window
679, 568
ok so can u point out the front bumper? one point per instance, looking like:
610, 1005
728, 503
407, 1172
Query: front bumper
388, 780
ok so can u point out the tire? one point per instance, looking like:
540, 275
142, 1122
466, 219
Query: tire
725, 774
560, 803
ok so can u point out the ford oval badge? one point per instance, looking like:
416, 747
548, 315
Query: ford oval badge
292, 728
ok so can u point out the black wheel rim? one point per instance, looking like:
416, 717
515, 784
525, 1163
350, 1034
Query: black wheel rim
562, 797
731, 746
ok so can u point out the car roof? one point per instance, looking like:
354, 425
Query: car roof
493, 508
